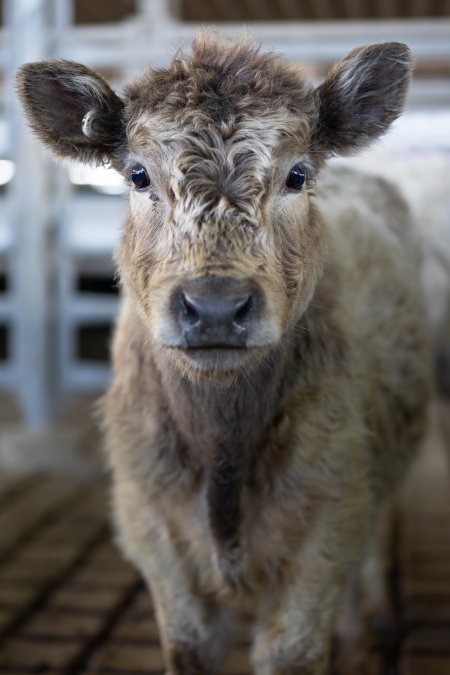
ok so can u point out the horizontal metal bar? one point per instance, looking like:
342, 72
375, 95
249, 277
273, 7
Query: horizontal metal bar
430, 93
90, 308
8, 377
92, 224
86, 376
6, 307
306, 41
318, 41
309, 42
5, 240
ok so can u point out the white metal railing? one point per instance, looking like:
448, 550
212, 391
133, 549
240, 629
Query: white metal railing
49, 231
26, 38
141, 41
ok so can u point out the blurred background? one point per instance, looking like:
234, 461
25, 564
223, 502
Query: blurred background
59, 225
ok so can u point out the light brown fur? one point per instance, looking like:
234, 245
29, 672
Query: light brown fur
252, 478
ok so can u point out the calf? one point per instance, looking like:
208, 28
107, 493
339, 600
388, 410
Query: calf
271, 367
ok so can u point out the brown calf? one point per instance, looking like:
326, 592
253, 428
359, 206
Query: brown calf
271, 358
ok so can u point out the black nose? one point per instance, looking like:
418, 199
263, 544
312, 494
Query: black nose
216, 311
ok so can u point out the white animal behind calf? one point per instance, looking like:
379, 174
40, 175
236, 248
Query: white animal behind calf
421, 176
271, 356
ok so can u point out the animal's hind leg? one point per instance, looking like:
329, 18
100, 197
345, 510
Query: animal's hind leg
377, 610
367, 613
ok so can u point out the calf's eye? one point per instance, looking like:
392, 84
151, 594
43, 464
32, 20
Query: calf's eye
297, 177
139, 176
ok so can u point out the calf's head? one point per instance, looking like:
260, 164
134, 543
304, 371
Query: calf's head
223, 247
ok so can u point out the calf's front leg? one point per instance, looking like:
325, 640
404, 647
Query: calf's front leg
295, 625
193, 628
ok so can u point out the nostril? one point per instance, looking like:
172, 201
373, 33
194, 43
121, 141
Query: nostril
190, 314
215, 311
243, 310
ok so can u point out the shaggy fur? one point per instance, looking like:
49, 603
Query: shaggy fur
251, 478
85, 118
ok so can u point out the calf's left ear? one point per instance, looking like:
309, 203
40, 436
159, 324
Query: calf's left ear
361, 96
72, 109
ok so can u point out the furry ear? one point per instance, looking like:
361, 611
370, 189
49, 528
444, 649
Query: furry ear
72, 109
362, 95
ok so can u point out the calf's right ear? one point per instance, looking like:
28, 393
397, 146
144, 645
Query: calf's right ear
72, 109
361, 96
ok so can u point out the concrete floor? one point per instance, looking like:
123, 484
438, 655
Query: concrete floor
70, 605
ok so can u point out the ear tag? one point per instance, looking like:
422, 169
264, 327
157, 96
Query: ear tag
86, 124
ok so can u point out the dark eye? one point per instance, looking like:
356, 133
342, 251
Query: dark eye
139, 177
297, 177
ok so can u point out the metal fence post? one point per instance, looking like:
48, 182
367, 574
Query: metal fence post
28, 32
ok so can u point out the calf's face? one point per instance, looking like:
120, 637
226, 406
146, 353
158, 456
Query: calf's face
223, 247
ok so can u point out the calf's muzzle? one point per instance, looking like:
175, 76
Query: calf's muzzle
216, 311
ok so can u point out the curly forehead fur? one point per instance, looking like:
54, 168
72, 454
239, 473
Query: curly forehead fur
223, 80
227, 107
